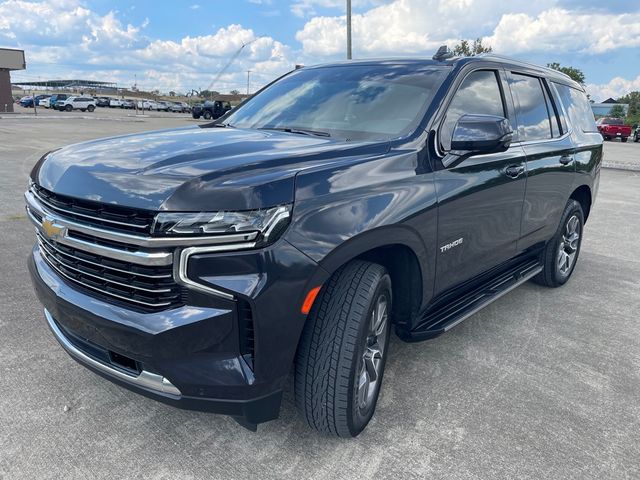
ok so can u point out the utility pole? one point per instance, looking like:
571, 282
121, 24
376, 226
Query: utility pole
348, 29
248, 80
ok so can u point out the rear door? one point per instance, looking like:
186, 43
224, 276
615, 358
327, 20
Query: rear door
479, 200
549, 151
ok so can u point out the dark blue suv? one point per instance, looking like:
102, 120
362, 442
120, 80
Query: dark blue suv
198, 265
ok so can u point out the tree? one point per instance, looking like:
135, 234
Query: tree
575, 73
633, 100
235, 92
209, 93
617, 111
467, 49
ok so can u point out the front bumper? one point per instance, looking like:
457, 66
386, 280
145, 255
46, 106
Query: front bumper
190, 356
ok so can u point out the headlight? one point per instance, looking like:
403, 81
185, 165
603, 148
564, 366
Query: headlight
269, 223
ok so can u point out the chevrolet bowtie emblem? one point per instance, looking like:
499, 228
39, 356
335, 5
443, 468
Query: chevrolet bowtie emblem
50, 229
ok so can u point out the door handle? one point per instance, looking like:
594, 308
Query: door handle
566, 159
514, 171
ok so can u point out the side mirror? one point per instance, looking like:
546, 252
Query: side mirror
479, 135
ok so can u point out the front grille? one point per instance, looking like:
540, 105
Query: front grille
112, 217
144, 287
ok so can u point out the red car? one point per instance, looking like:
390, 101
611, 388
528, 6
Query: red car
613, 128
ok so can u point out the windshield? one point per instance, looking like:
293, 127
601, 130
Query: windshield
613, 121
351, 101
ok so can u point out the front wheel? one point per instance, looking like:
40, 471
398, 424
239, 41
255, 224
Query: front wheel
343, 350
561, 253
624, 139
91, 108
68, 108
207, 115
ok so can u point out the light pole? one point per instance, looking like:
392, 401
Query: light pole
348, 29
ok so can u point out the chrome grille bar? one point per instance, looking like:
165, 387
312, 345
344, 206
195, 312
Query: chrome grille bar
62, 211
52, 258
128, 272
128, 239
120, 297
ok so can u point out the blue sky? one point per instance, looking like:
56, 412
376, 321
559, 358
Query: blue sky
180, 45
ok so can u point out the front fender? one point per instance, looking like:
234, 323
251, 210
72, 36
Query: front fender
344, 211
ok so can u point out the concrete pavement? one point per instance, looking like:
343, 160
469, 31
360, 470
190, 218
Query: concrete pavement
541, 384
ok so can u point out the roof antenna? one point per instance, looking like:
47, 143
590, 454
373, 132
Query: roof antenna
443, 53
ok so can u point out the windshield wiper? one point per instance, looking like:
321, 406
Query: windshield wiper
300, 131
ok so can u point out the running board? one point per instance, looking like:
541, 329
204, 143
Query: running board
443, 318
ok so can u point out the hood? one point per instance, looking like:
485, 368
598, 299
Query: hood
193, 168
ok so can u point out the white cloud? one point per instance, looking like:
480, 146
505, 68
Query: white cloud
63, 38
564, 30
617, 87
409, 26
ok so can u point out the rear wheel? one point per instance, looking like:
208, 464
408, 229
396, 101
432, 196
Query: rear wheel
343, 350
561, 253
624, 139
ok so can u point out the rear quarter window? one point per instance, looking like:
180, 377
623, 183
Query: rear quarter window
577, 106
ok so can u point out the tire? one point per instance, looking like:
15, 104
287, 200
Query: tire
68, 108
636, 138
207, 115
342, 348
91, 108
196, 116
83, 109
624, 139
556, 273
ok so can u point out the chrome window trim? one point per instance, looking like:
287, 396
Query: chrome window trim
145, 379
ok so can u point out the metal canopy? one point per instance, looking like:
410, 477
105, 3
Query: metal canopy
67, 84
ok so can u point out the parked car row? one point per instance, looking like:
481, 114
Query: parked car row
60, 102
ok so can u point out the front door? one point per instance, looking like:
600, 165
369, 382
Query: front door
479, 200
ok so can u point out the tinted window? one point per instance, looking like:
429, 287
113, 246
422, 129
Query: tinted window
577, 107
553, 114
531, 108
479, 93
352, 101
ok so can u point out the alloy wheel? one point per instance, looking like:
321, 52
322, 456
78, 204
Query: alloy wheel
569, 244
369, 372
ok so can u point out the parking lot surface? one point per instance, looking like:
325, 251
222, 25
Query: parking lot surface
624, 156
541, 384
